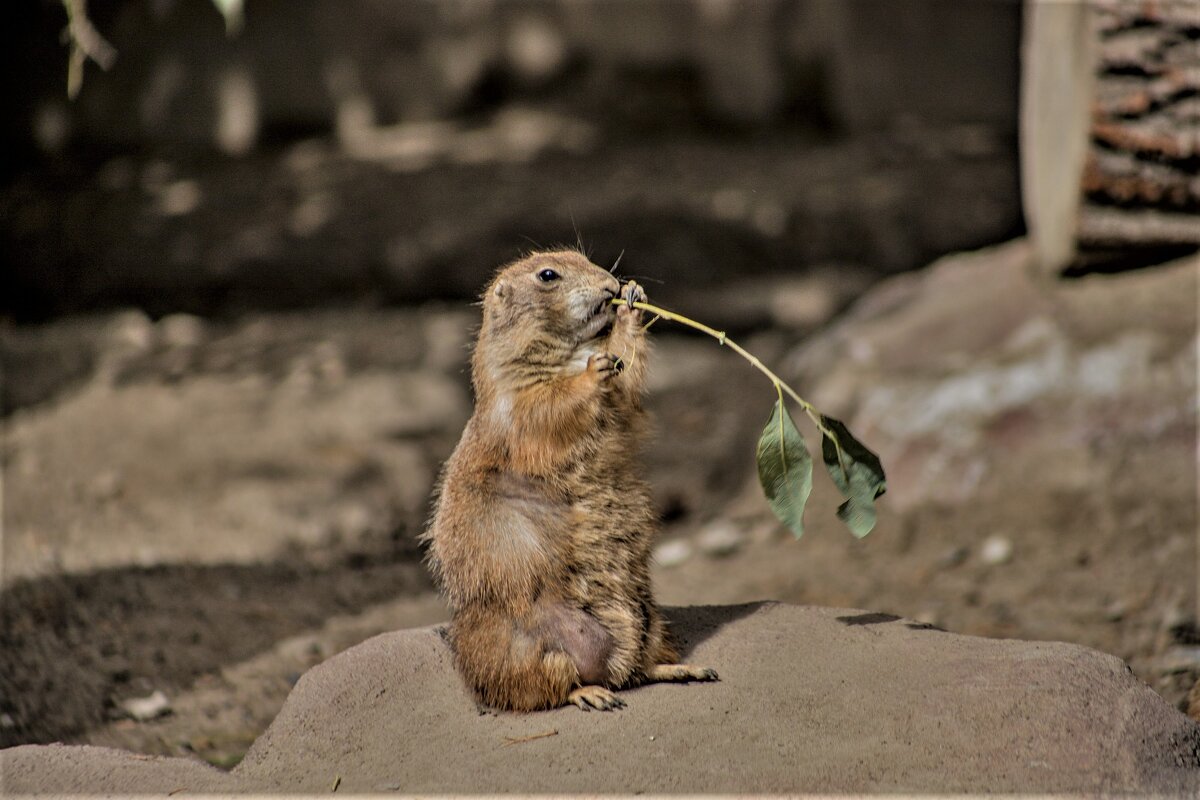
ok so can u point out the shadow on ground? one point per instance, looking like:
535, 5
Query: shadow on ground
73, 646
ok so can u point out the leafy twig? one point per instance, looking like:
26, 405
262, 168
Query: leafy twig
859, 475
724, 340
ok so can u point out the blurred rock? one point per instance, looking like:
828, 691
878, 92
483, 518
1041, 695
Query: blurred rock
1181, 659
130, 333
672, 553
996, 550
534, 47
971, 363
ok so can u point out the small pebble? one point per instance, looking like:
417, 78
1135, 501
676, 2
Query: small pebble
1116, 611
953, 557
6, 722
720, 538
996, 550
147, 708
672, 554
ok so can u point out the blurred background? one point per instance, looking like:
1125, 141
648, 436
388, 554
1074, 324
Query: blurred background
238, 268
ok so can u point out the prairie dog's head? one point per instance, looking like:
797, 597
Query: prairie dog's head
540, 311
560, 294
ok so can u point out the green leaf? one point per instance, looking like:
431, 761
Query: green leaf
857, 473
785, 469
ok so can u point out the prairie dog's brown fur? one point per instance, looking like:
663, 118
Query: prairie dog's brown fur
541, 534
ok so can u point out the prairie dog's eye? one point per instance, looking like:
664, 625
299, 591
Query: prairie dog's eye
548, 275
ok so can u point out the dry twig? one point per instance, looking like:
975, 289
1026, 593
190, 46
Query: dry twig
522, 739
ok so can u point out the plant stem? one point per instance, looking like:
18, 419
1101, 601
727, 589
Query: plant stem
720, 336
86, 42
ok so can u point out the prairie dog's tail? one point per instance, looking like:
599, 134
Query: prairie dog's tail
508, 666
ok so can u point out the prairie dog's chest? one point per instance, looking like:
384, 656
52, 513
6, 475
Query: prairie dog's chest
581, 355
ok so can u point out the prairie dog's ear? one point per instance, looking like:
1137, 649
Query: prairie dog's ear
500, 289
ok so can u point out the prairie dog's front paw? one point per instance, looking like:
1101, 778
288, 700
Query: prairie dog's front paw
631, 293
605, 367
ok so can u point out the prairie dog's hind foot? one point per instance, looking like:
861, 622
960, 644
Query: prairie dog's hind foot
679, 673
589, 697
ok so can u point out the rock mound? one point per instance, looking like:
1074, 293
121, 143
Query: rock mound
810, 700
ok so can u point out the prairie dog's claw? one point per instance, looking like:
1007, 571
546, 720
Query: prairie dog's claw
605, 365
632, 293
589, 697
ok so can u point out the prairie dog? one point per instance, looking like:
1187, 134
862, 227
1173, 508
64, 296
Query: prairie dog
541, 533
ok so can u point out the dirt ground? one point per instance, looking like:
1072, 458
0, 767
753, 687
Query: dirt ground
208, 508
